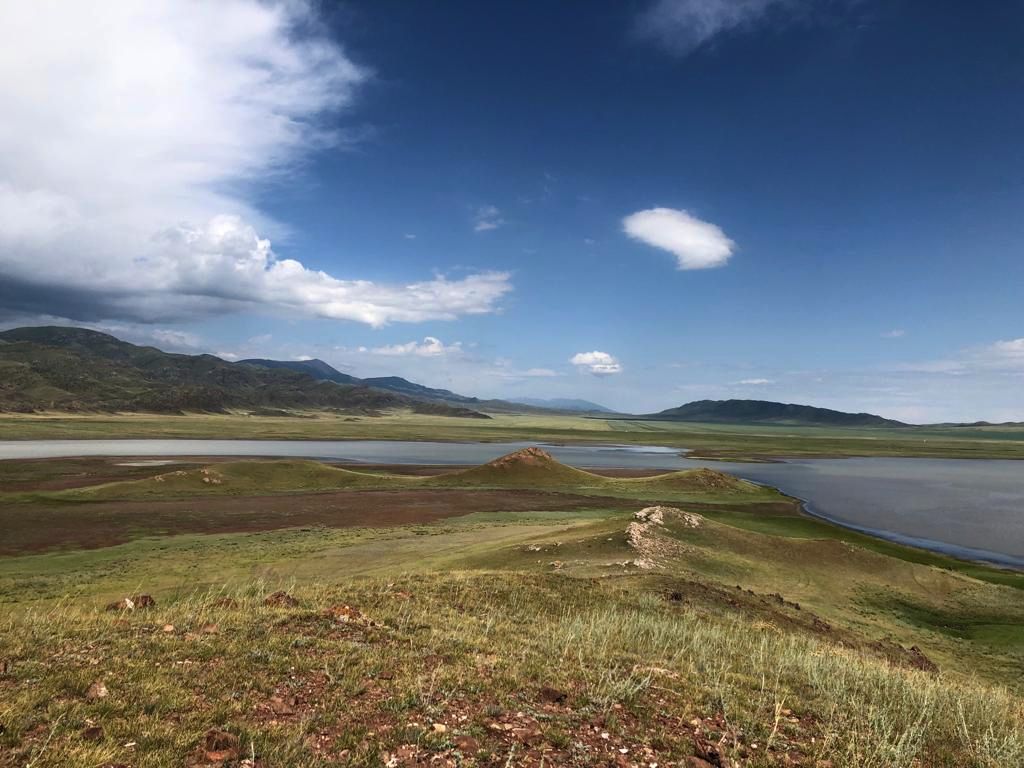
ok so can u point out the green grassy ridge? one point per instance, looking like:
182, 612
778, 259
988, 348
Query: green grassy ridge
247, 477
468, 650
262, 476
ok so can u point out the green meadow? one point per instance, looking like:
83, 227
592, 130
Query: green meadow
537, 620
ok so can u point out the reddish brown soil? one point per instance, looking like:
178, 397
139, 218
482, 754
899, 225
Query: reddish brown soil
46, 526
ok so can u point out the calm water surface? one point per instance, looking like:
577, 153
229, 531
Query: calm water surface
968, 508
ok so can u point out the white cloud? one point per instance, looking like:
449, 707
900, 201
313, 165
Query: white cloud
596, 363
122, 190
541, 373
696, 244
487, 218
895, 333
1012, 349
682, 26
755, 382
429, 347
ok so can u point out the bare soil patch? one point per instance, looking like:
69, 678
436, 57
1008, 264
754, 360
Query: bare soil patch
45, 526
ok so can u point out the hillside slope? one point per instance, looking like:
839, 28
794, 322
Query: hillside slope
76, 369
767, 412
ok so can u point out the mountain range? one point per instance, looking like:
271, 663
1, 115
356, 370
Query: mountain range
76, 369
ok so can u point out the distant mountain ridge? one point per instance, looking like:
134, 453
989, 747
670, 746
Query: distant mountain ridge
564, 404
768, 412
77, 369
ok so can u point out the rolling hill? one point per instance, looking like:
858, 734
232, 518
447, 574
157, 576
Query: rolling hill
76, 369
767, 412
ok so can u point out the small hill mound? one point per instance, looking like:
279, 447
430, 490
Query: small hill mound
237, 478
531, 467
697, 480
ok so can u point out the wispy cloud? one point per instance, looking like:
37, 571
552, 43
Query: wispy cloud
487, 218
895, 333
596, 363
122, 194
682, 26
755, 382
696, 244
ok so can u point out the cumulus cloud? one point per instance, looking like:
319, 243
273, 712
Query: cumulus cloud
682, 26
429, 347
596, 363
696, 244
487, 217
122, 190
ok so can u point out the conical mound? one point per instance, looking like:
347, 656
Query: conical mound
531, 467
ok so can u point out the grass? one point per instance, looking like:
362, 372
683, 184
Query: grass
735, 442
565, 635
475, 669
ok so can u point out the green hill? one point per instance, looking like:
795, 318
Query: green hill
76, 369
236, 478
527, 468
767, 412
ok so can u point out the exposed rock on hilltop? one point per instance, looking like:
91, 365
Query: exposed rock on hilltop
646, 535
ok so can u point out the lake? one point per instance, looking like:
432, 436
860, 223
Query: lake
969, 508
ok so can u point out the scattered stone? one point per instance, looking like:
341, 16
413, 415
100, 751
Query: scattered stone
918, 660
96, 691
219, 746
133, 603
440, 728
168, 628
281, 599
346, 613
709, 753
92, 733
282, 706
209, 629
467, 745
552, 695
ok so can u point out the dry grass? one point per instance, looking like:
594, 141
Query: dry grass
518, 669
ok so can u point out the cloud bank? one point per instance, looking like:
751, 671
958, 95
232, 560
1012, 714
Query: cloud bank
122, 190
596, 363
696, 244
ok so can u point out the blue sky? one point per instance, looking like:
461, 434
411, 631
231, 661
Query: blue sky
637, 203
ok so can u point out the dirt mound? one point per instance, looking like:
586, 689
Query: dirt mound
524, 457
527, 467
702, 479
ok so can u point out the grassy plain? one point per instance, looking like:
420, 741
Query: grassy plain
545, 627
705, 440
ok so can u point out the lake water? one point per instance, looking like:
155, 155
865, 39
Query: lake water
968, 508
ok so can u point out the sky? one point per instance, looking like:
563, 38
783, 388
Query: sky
638, 203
